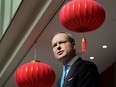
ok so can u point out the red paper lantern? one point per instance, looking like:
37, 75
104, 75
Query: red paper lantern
35, 74
82, 15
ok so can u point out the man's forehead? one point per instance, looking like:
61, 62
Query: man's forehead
59, 37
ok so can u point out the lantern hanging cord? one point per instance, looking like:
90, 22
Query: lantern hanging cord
35, 50
83, 35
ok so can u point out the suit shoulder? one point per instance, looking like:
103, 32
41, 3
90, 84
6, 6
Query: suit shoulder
88, 63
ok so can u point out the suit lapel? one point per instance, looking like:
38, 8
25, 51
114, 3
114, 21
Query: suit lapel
73, 71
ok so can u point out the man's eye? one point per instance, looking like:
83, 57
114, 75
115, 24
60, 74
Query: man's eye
62, 42
54, 45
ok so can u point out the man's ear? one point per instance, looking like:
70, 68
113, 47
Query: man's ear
74, 45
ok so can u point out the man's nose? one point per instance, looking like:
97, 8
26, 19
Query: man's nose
58, 47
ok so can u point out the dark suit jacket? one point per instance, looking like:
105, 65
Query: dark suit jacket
82, 74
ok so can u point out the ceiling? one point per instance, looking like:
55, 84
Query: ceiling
37, 20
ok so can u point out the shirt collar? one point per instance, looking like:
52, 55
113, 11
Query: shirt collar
72, 61
69, 64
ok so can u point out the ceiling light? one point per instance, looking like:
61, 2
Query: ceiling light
104, 46
91, 57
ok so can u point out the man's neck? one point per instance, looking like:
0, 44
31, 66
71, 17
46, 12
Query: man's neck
68, 59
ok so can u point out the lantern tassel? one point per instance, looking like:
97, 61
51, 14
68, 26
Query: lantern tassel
84, 45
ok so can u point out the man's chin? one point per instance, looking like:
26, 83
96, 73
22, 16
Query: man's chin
61, 57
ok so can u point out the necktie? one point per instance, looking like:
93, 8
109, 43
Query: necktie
63, 75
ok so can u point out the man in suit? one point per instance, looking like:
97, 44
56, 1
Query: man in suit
80, 73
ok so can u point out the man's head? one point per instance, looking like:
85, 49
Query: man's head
64, 48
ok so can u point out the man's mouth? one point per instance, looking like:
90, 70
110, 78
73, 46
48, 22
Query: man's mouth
59, 52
